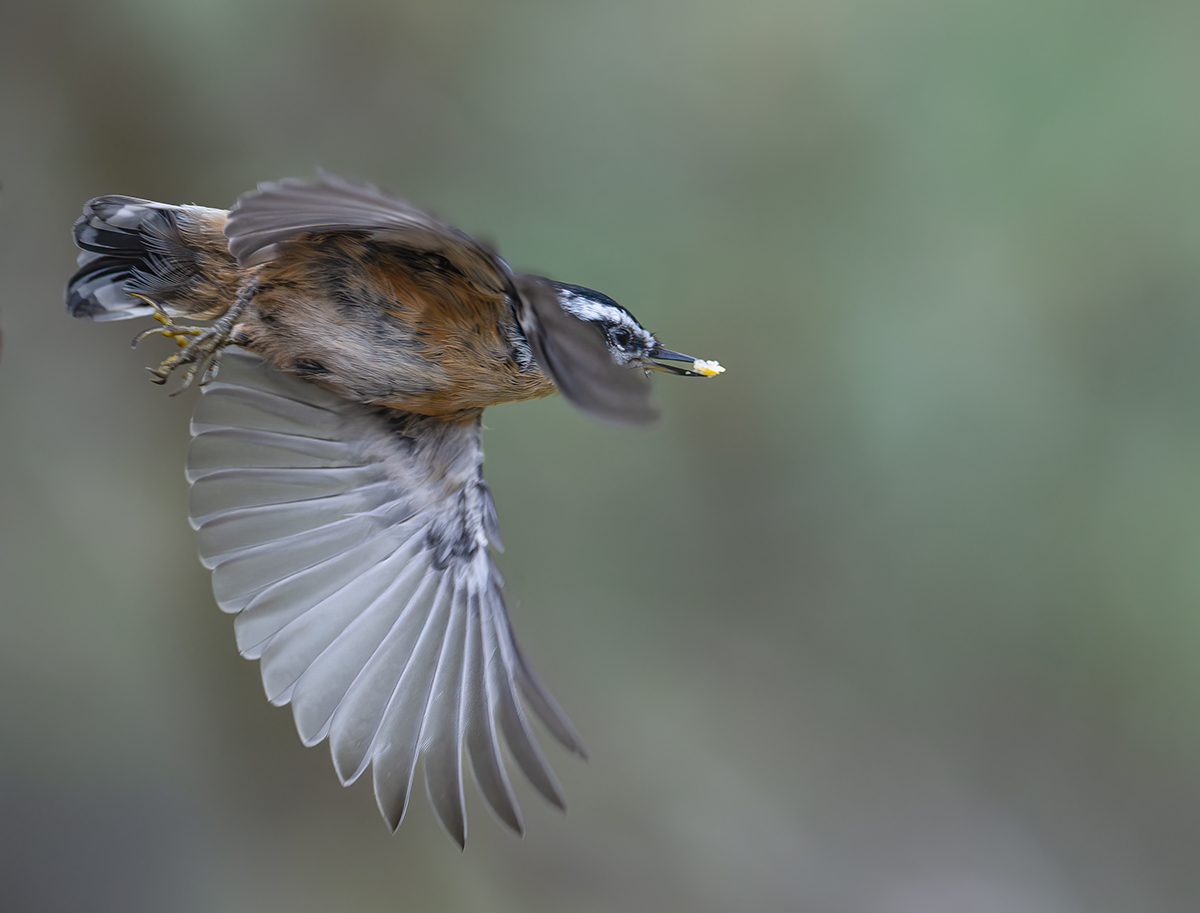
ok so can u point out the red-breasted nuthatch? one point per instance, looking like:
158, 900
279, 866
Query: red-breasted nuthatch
336, 461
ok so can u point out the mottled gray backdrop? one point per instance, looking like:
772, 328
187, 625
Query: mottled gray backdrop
900, 615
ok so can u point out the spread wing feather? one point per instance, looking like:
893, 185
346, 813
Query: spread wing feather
352, 542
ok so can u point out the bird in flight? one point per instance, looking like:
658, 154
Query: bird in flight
336, 467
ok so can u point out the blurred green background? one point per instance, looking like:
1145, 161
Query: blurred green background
900, 615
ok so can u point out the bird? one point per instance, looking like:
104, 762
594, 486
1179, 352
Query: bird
353, 341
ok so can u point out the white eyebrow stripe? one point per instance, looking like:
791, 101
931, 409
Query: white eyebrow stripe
589, 309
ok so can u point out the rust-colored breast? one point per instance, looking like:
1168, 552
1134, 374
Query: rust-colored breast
383, 324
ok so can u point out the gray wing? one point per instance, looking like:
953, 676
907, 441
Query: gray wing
352, 542
264, 220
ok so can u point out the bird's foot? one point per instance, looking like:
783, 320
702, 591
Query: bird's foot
200, 347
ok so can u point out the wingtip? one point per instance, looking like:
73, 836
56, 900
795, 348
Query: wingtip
392, 817
621, 419
449, 811
459, 837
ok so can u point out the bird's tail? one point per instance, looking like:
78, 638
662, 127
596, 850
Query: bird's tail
175, 256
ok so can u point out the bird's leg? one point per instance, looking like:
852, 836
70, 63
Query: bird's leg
200, 346
168, 329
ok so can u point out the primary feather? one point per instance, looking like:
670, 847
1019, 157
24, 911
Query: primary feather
352, 541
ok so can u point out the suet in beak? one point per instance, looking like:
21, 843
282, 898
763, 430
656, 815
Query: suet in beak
699, 368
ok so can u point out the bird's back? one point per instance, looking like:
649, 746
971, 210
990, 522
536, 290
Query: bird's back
370, 318
378, 322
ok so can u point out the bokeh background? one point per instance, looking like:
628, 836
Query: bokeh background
900, 615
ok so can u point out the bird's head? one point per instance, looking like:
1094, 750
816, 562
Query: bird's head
629, 343
595, 351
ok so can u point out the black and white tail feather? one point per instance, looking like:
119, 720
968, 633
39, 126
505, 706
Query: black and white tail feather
352, 541
133, 245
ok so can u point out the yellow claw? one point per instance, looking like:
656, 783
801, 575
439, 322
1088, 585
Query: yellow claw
168, 329
201, 346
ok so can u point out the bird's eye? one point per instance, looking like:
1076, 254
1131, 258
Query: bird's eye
622, 337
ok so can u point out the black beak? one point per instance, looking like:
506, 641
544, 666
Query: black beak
709, 368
